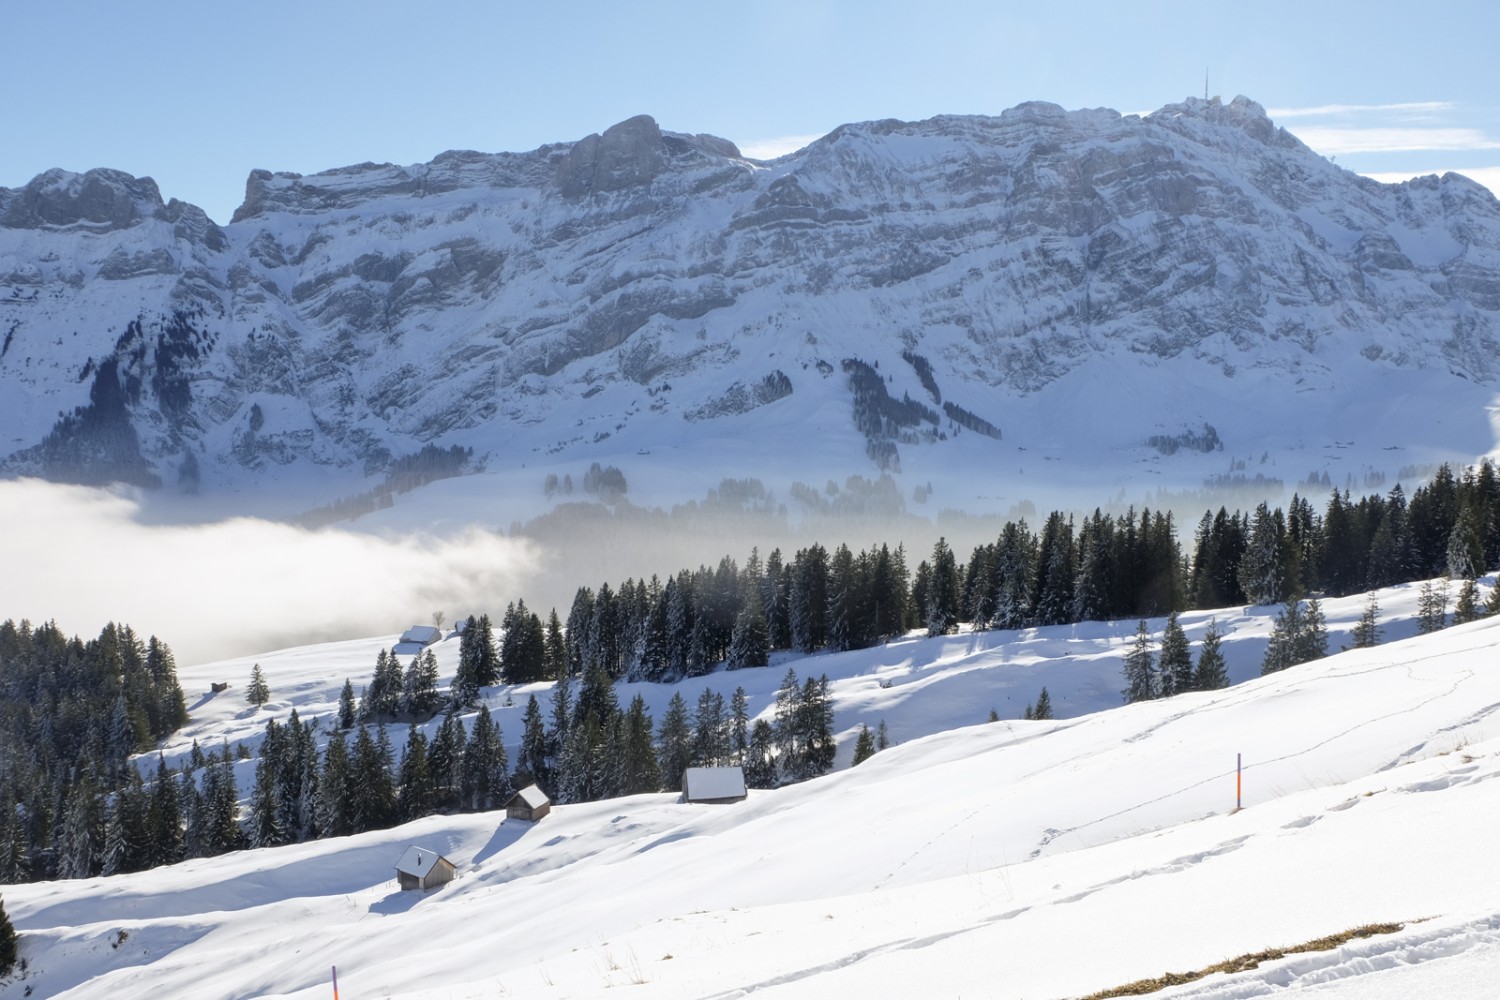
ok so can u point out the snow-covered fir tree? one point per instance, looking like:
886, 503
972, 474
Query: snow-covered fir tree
1140, 668
674, 743
1366, 632
1210, 673
864, 746
1175, 662
258, 692
1466, 605
1432, 607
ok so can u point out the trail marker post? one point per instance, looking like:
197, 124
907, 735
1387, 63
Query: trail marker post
335, 982
1238, 791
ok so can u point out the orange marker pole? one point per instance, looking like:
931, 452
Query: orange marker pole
335, 982
1238, 788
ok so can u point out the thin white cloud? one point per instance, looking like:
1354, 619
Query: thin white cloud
770, 149
1488, 176
1337, 141
1327, 110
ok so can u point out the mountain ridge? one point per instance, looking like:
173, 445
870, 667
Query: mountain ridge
587, 301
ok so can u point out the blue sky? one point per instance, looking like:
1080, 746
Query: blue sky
197, 94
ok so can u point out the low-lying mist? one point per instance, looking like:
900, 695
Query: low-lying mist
243, 585
79, 556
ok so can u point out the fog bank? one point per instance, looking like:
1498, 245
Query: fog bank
81, 557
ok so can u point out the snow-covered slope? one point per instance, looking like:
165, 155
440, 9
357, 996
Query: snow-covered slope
1080, 281
1010, 859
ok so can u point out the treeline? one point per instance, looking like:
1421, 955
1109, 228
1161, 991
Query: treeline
71, 715
587, 747
1450, 526
1098, 567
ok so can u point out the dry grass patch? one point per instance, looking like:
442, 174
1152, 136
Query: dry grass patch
1243, 963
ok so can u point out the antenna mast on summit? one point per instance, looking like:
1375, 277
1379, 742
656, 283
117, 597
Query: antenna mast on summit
1205, 84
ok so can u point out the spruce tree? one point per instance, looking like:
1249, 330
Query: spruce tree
221, 794
486, 659
674, 741
1043, 709
739, 726
1055, 571
265, 828
416, 792
1311, 640
1281, 647
372, 789
486, 765
77, 841
808, 605
1013, 577
638, 770
1176, 660
864, 746
815, 724
1366, 631
259, 692
940, 614
788, 716
711, 744
419, 686
1466, 607
1139, 668
1432, 607
1265, 566
562, 719
750, 643
882, 737
760, 760
346, 705
334, 793
165, 817
9, 943
1492, 603
555, 649
844, 600
1465, 549
533, 757
1211, 673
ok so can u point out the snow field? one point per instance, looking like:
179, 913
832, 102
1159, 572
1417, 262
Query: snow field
1016, 859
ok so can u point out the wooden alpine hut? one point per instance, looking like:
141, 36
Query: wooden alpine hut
530, 804
420, 868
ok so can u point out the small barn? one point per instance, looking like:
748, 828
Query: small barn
416, 639
422, 635
530, 804
713, 784
420, 868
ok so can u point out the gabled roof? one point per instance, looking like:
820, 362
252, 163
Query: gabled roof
418, 861
701, 783
533, 796
425, 634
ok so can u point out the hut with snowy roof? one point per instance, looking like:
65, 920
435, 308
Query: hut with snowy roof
713, 784
420, 868
530, 804
416, 639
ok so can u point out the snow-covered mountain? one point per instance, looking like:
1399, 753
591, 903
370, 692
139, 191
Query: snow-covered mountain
1014, 859
1058, 282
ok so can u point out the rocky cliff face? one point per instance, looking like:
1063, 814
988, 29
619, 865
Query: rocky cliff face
589, 298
